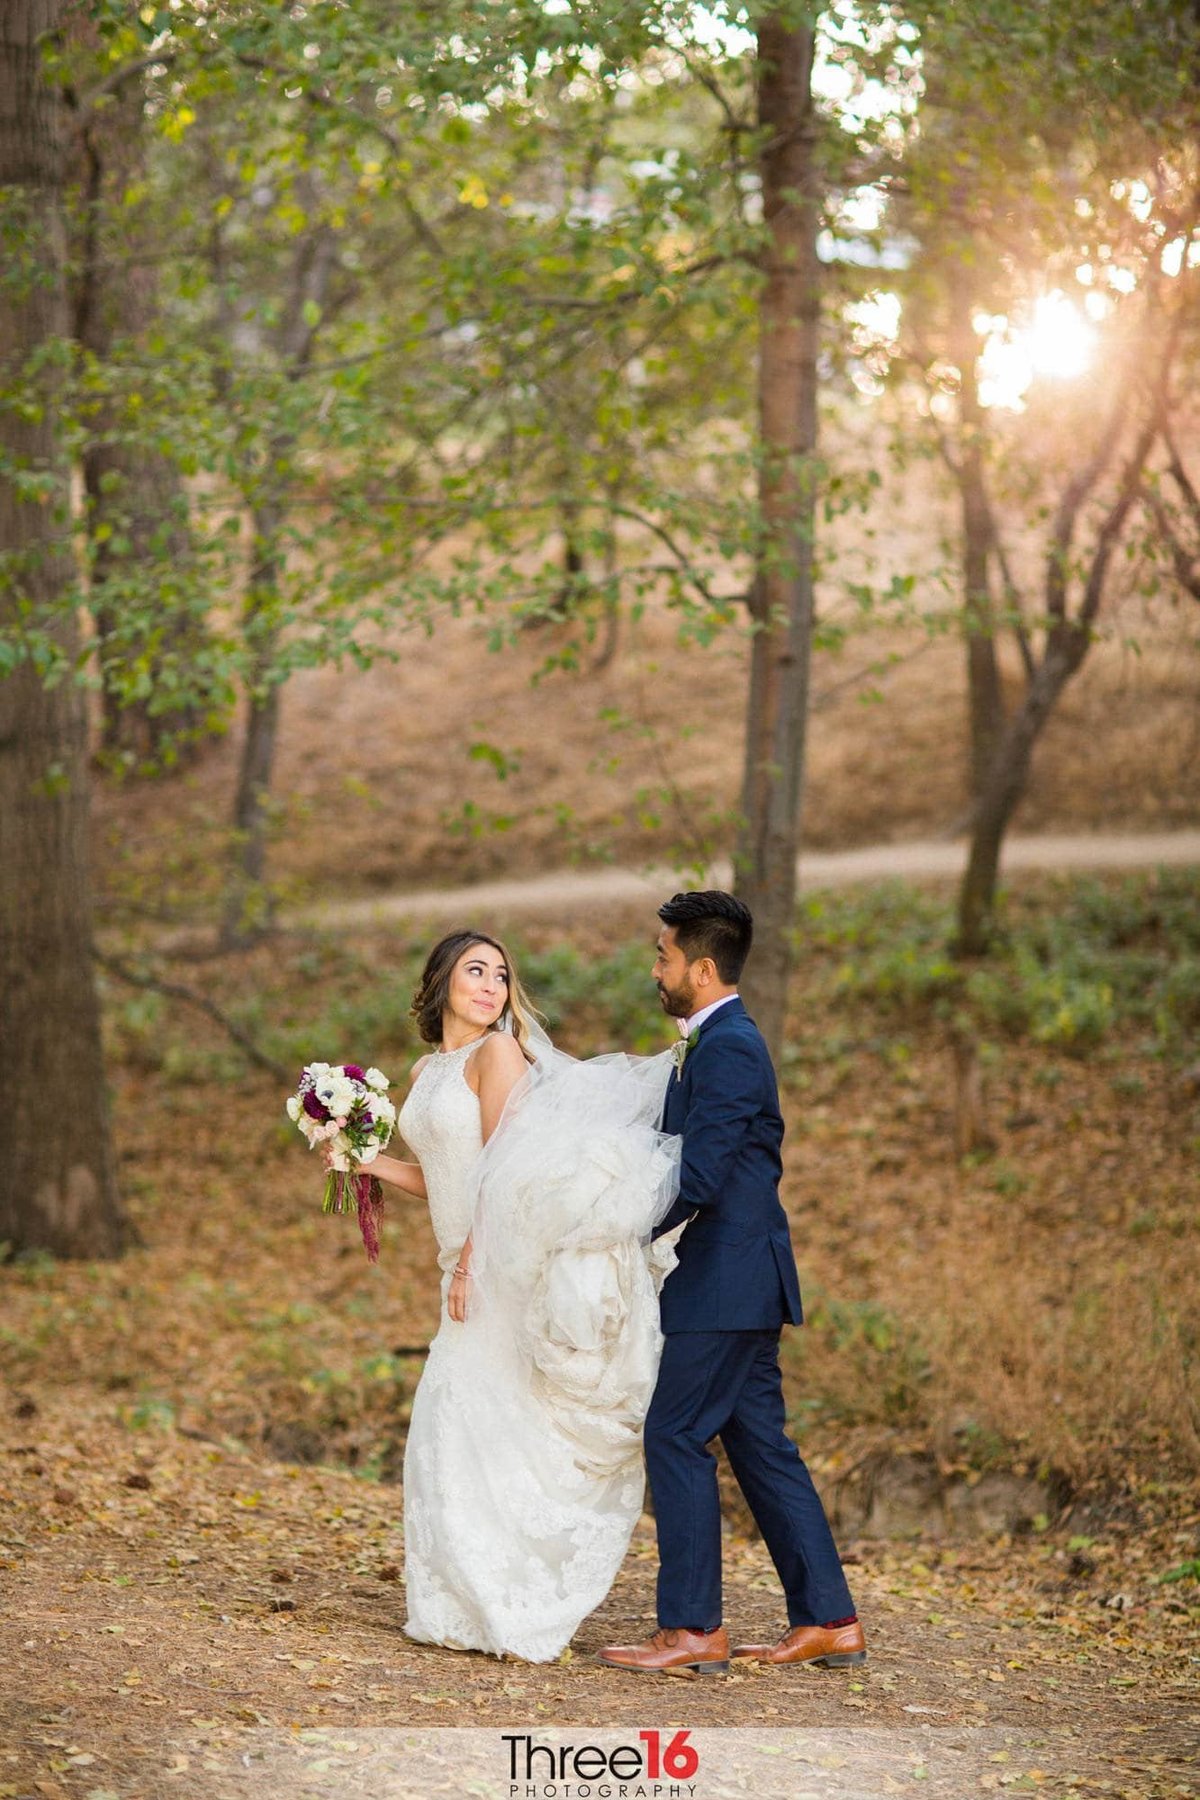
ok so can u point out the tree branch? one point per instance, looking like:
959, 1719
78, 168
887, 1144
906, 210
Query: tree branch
1074, 494
174, 990
1012, 600
1186, 567
664, 536
82, 104
316, 97
1114, 522
1131, 482
734, 124
1180, 475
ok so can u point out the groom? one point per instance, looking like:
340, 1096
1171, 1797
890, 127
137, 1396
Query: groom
723, 1307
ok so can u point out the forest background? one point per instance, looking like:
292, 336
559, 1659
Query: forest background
498, 439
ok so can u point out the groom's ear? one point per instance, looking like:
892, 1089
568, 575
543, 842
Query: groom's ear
705, 971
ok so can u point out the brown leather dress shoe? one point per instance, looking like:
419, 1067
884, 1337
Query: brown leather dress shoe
839, 1648
705, 1651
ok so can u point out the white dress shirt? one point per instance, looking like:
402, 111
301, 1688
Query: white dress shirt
687, 1026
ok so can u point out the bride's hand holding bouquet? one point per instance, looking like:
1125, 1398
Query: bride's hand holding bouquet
346, 1110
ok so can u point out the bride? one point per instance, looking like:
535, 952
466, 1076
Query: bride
523, 1474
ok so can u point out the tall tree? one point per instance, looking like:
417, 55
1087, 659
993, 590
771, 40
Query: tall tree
1136, 134
136, 515
1079, 558
985, 697
550, 251
57, 1186
264, 609
781, 599
1036, 127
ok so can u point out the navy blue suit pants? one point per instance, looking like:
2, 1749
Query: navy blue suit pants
727, 1384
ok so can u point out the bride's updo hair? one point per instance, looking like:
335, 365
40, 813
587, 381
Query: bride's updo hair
433, 990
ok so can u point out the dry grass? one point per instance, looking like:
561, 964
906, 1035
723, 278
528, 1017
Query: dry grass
1037, 1307
1084, 1364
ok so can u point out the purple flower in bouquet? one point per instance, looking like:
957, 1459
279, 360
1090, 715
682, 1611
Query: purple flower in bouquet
348, 1108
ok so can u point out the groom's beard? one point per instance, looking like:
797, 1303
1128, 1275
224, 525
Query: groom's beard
677, 1003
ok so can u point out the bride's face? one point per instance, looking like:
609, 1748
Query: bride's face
478, 987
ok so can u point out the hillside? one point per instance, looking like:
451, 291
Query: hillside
378, 787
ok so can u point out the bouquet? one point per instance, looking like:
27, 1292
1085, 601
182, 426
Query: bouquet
348, 1108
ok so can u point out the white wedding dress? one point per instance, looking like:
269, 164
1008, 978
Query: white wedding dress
523, 1473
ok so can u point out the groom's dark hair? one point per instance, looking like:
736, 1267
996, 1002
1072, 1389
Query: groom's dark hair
712, 923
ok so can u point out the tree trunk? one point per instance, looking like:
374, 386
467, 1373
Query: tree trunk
984, 695
1006, 783
247, 903
57, 1186
971, 1135
574, 565
247, 913
248, 909
781, 603
1068, 640
136, 504
611, 628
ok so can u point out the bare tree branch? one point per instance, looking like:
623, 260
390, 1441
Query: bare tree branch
664, 536
174, 990
1012, 601
1131, 481
1074, 495
1180, 475
1185, 565
1114, 522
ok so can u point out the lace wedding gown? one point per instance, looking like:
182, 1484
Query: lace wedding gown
523, 1473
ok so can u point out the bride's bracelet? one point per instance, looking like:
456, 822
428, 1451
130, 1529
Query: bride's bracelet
459, 1270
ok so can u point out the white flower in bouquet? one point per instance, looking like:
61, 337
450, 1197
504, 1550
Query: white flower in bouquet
336, 1095
346, 1107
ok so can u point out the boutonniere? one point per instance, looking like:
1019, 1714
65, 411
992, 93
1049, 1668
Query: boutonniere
680, 1050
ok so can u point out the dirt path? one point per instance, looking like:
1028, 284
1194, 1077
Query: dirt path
182, 1619
930, 859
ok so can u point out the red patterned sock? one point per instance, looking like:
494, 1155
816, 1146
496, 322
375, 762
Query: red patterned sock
836, 1624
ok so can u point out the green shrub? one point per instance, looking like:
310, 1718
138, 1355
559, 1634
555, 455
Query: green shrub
866, 1363
1076, 960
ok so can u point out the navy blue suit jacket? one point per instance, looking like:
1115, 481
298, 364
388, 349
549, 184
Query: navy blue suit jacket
737, 1271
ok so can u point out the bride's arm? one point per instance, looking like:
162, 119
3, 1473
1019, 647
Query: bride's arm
392, 1169
396, 1173
496, 1066
406, 1175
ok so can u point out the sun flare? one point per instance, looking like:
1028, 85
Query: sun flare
1059, 342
